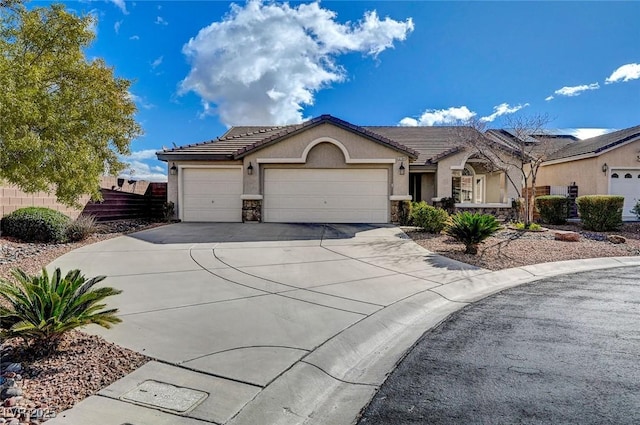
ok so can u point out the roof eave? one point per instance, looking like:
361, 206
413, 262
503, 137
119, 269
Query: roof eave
189, 156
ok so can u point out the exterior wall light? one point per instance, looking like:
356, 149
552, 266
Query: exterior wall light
173, 170
401, 168
605, 168
250, 168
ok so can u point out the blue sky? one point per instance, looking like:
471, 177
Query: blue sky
201, 66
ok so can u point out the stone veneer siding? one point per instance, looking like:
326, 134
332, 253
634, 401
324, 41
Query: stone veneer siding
400, 212
503, 214
251, 210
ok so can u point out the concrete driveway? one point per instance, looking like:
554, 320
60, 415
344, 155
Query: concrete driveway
271, 323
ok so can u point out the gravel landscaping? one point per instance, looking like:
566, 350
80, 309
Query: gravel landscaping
30, 388
512, 248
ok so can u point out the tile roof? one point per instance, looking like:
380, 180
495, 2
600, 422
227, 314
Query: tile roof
535, 144
597, 144
424, 145
432, 143
239, 141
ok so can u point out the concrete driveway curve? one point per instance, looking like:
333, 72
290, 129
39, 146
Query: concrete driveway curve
271, 323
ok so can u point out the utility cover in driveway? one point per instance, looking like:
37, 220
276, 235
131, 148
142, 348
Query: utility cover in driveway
165, 396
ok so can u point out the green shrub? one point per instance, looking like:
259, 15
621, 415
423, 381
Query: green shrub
471, 229
448, 204
532, 226
553, 209
81, 228
35, 224
430, 219
600, 212
41, 309
636, 210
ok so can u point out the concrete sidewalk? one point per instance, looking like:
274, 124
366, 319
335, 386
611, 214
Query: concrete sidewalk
273, 324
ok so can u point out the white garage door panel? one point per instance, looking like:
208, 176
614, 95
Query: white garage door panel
328, 196
212, 194
627, 184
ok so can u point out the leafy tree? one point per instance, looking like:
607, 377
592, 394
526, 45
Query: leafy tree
41, 309
64, 118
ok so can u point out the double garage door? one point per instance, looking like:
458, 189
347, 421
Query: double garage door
290, 195
326, 196
626, 182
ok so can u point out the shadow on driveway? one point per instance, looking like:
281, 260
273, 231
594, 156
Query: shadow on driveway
251, 232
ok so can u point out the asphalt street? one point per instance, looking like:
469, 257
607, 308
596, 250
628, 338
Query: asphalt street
564, 350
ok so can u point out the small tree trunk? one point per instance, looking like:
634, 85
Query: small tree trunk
471, 249
531, 202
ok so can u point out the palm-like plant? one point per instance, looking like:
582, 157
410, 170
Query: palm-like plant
41, 309
471, 229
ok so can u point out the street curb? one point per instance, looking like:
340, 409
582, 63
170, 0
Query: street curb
372, 349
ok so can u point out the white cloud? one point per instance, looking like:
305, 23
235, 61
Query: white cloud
138, 170
576, 90
548, 98
264, 61
121, 5
502, 109
160, 21
134, 37
628, 72
116, 26
408, 122
431, 117
143, 154
156, 63
140, 101
587, 133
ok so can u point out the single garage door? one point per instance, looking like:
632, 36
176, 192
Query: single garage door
211, 194
326, 195
626, 182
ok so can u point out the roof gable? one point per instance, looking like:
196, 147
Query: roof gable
291, 130
597, 144
242, 140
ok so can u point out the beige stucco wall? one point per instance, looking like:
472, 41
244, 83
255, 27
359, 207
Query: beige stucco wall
494, 185
428, 187
326, 154
587, 173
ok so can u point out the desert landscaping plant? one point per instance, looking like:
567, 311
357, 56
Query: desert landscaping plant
35, 224
430, 219
81, 228
41, 308
636, 210
600, 212
534, 227
553, 209
471, 229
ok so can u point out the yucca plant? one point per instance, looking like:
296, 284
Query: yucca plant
471, 229
41, 308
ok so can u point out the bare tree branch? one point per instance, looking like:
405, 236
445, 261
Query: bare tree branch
523, 146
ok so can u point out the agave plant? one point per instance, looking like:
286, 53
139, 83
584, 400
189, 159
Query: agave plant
41, 308
471, 229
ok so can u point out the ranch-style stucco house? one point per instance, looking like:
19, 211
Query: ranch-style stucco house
327, 170
604, 165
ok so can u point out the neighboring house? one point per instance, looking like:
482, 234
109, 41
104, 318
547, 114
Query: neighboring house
326, 170
607, 164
